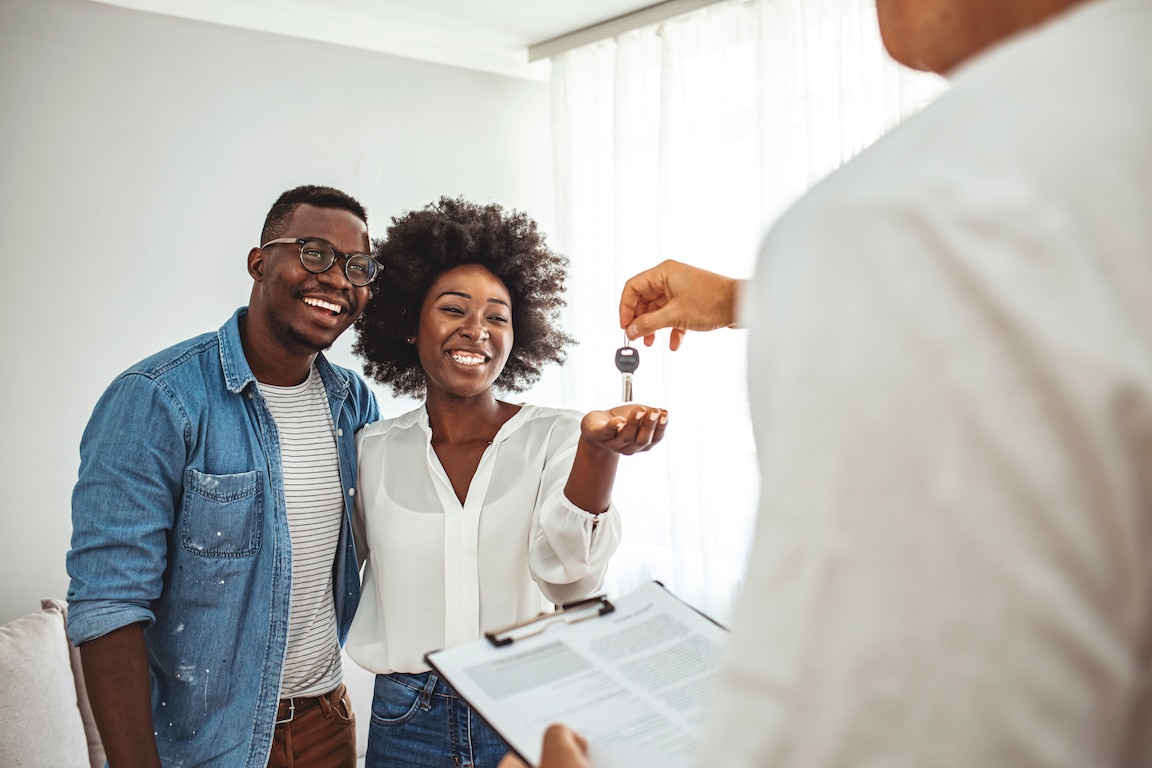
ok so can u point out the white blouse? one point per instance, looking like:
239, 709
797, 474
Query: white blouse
439, 573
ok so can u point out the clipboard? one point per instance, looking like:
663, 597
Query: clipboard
569, 613
633, 675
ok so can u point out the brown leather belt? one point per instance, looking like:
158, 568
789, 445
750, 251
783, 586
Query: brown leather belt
290, 708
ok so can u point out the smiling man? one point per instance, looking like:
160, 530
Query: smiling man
213, 571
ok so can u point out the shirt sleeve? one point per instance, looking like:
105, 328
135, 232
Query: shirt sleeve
359, 529
368, 410
570, 547
132, 460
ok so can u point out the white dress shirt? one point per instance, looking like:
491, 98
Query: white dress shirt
439, 572
950, 372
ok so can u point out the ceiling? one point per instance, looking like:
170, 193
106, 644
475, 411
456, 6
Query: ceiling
488, 35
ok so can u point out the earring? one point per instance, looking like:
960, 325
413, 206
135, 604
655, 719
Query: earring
411, 339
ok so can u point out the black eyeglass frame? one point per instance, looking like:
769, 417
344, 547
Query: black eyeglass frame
301, 241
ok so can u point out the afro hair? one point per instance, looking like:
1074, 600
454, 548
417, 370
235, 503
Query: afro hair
420, 246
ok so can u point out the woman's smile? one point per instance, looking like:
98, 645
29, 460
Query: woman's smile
465, 332
468, 358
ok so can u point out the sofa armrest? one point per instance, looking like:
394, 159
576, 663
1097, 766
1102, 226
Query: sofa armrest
41, 720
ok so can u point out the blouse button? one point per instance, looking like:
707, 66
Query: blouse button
351, 491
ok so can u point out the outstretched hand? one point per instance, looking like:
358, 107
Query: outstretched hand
625, 429
677, 296
563, 748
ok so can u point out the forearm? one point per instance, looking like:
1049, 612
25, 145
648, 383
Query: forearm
570, 548
119, 689
592, 476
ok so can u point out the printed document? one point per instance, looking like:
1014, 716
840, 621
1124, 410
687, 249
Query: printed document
634, 682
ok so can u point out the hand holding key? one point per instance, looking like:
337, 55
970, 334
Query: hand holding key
677, 296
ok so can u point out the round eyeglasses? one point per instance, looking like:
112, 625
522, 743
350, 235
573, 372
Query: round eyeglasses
318, 256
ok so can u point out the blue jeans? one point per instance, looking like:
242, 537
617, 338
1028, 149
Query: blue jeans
419, 721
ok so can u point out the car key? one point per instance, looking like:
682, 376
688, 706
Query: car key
627, 361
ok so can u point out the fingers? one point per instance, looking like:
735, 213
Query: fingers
511, 761
642, 303
647, 424
658, 432
653, 320
640, 292
563, 748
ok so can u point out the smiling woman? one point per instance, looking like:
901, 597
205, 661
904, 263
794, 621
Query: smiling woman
424, 244
465, 332
473, 512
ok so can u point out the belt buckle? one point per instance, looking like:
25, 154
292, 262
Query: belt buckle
291, 711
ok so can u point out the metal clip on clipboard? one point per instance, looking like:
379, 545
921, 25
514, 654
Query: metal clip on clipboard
569, 613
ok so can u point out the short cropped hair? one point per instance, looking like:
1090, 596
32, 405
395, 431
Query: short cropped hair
424, 244
276, 222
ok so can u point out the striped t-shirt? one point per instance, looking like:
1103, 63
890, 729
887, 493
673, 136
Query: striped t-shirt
314, 497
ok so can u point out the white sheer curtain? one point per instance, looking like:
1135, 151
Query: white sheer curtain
684, 141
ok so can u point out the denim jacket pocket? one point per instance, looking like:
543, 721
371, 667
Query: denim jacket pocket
223, 514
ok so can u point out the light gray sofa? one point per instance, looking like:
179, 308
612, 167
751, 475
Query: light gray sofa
45, 720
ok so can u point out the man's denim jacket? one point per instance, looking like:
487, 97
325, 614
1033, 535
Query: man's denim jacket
179, 521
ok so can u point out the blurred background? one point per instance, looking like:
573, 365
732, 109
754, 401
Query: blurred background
143, 143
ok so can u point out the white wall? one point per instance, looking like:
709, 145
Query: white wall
138, 156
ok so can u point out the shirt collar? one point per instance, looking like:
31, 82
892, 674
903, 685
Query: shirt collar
237, 373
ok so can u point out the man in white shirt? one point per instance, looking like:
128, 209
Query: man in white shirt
950, 372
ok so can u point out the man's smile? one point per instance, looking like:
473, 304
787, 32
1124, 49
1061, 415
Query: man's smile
312, 301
